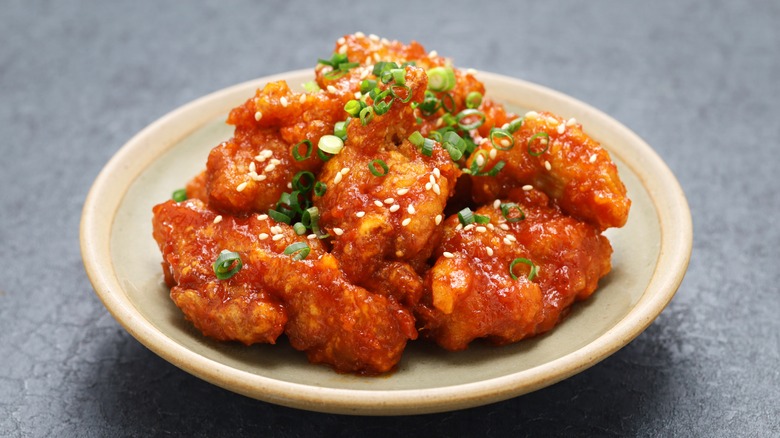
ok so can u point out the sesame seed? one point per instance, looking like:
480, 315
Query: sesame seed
270, 167
561, 128
438, 219
436, 189
481, 229
480, 160
289, 185
331, 88
267, 153
505, 142
399, 253
497, 203
489, 250
360, 34
338, 231
433, 54
459, 227
593, 158
384, 41
360, 214
258, 116
547, 165
402, 191
276, 229
471, 71
311, 236
406, 221
428, 186
394, 208
528, 187
377, 57
218, 219
262, 217
378, 203
252, 167
507, 241
341, 41
241, 187
277, 237
260, 158
491, 226
343, 50
275, 161
302, 99
437, 172
492, 154
571, 121
432, 179
504, 227
511, 237
364, 74
260, 178
337, 178
468, 227
344, 170
283, 101
253, 175
262, 236
439, 122
531, 114
373, 37
448, 254
389, 201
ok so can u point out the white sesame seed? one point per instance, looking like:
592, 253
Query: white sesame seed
528, 187
481, 229
480, 160
275, 161
433, 54
218, 219
241, 187
311, 236
497, 203
436, 189
439, 122
377, 57
507, 241
331, 88
491, 226
260, 158
373, 37
492, 154
341, 41
531, 114
270, 167
302, 99
411, 209
571, 121
344, 170
459, 227
252, 167
402, 191
267, 153
360, 34
505, 142
504, 227
360, 214
489, 250
253, 175
437, 172
276, 229
448, 254
338, 231
593, 158
399, 253
258, 116
337, 178
438, 219
283, 101
364, 74
260, 178
262, 236
384, 41
343, 50
471, 71
277, 237
289, 185
547, 165
406, 221
378, 203
468, 227
262, 217
428, 185
511, 237
389, 201
561, 128
395, 207
432, 179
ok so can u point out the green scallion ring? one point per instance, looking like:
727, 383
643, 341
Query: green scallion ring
323, 156
546, 137
469, 113
353, 107
401, 87
366, 115
310, 217
320, 188
298, 250
441, 79
179, 195
477, 166
481, 219
296, 151
497, 168
367, 85
427, 147
531, 274
399, 75
299, 229
473, 99
228, 264
507, 210
466, 216
448, 102
303, 181
279, 216
340, 129
515, 124
416, 139
381, 171
330, 144
499, 136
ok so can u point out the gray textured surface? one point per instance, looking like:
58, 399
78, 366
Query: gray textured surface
699, 81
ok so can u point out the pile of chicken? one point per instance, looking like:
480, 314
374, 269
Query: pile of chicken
396, 255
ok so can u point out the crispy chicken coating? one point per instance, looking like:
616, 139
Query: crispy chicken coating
471, 293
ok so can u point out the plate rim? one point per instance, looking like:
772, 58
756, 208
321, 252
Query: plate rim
102, 204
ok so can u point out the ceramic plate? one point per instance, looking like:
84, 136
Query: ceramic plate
123, 262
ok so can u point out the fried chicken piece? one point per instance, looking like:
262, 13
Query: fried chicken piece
375, 220
470, 292
582, 179
333, 321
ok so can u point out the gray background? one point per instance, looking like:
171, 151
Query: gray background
699, 81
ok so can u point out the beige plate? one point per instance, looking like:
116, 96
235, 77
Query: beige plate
123, 263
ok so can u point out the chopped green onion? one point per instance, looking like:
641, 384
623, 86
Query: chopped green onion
399, 75
330, 144
478, 161
448, 102
508, 209
481, 219
367, 85
311, 87
455, 145
307, 183
320, 188
416, 139
470, 113
179, 195
466, 216
353, 107
531, 274
401, 87
366, 115
437, 136
499, 138
227, 265
473, 99
310, 217
515, 124
296, 151
383, 66
430, 104
381, 171
427, 147
545, 141
441, 79
382, 107
279, 216
299, 229
340, 129
497, 168
297, 250
323, 156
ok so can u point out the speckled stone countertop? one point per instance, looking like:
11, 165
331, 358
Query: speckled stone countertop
699, 81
